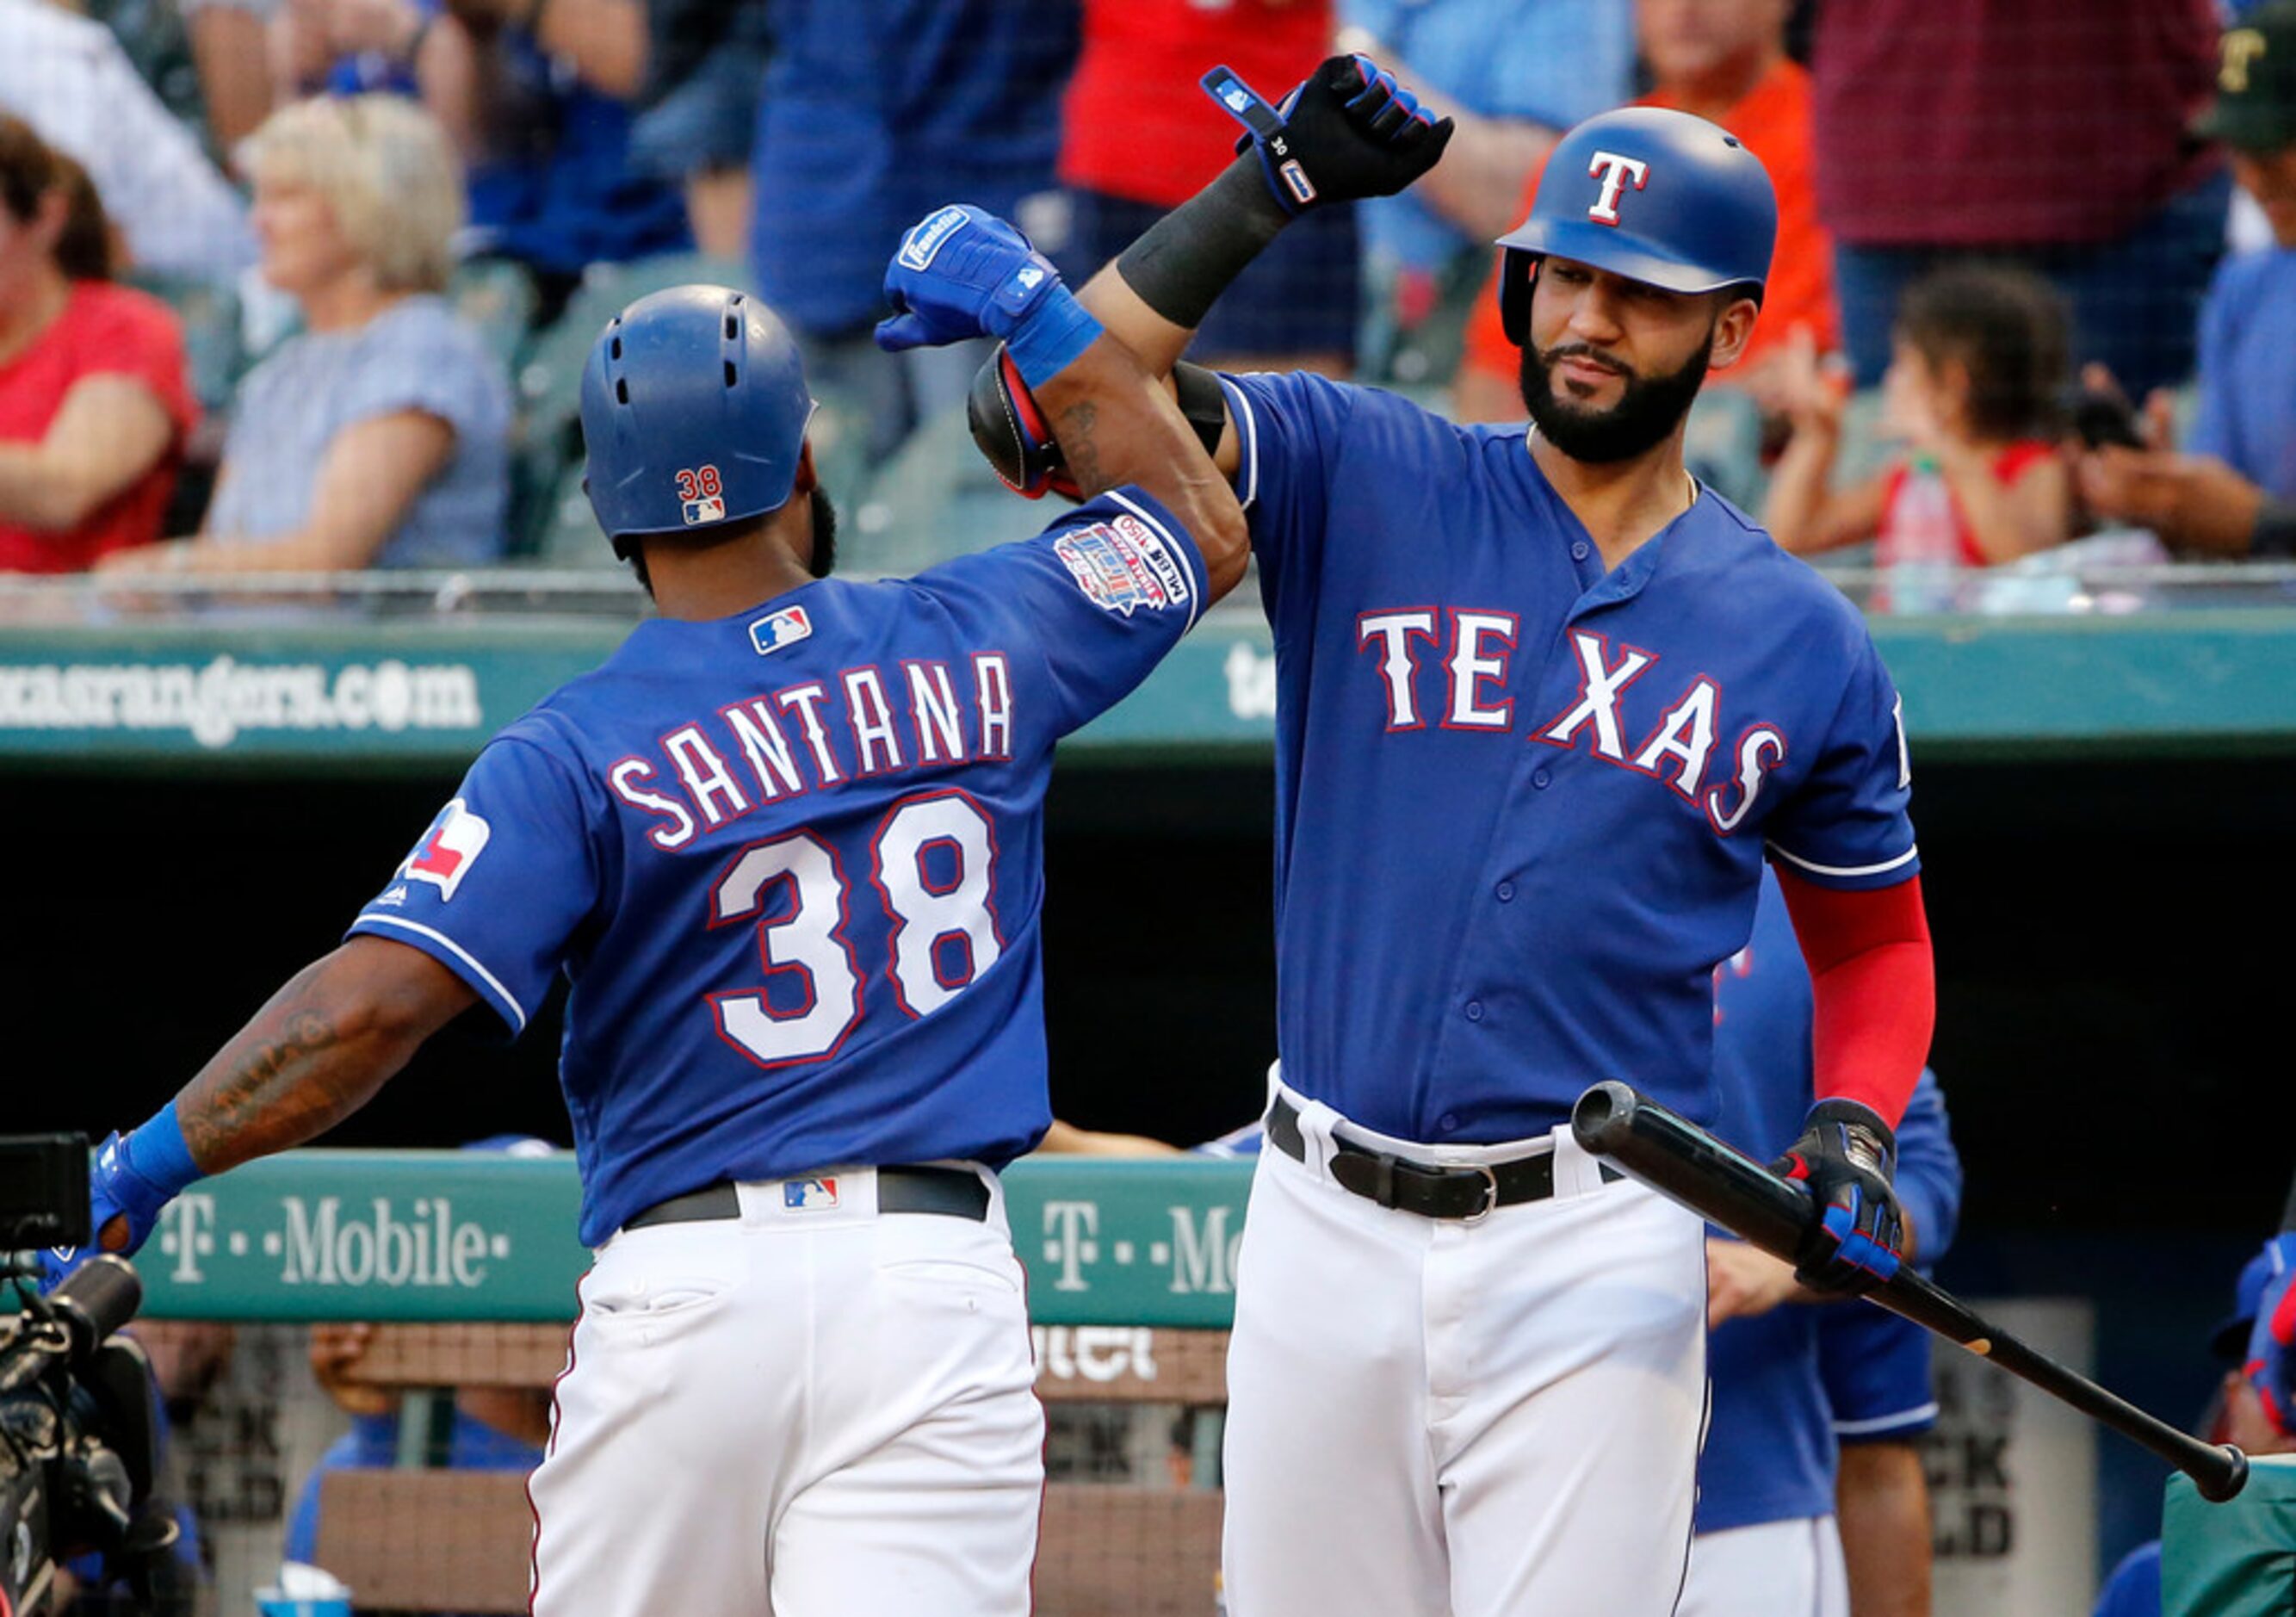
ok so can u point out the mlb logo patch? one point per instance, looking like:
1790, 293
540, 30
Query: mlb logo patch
779, 629
448, 850
711, 509
808, 1196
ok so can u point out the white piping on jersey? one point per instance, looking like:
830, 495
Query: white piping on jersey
1846, 870
1688, 476
1885, 1422
1251, 490
458, 951
1180, 552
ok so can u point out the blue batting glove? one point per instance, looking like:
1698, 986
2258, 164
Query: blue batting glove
132, 1177
2270, 1366
962, 271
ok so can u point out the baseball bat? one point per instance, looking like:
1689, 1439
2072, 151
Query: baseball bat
1683, 1161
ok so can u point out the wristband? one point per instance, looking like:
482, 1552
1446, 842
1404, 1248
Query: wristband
158, 1154
2274, 531
1052, 336
1188, 257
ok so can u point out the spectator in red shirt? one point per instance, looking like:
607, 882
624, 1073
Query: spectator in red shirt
2050, 133
96, 398
1972, 392
1138, 138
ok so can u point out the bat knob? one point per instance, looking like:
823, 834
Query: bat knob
2234, 1476
1603, 1116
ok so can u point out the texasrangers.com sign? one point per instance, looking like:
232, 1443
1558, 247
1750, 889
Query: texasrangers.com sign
445, 1236
217, 701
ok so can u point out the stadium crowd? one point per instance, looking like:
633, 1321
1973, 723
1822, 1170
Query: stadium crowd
303, 284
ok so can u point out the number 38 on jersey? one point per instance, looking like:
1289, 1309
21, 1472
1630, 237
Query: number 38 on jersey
931, 871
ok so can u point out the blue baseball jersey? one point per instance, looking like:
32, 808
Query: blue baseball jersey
790, 861
1771, 1441
1522, 802
2134, 1589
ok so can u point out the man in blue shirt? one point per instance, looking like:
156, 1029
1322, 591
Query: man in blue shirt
786, 845
2232, 491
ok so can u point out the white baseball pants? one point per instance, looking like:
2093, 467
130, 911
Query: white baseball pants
1773, 1569
1433, 1418
809, 1411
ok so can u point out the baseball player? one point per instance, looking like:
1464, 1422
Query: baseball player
1544, 704
1794, 1387
786, 843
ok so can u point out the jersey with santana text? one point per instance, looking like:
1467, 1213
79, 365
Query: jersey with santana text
790, 861
1522, 803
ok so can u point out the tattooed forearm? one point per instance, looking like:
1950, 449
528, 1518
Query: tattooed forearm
315, 1053
272, 1087
1078, 447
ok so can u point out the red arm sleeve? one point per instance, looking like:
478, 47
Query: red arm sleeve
1876, 988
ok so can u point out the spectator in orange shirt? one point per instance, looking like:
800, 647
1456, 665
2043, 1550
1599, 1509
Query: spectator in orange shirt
96, 398
1724, 60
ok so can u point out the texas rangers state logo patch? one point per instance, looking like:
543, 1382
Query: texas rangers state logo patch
1123, 565
448, 850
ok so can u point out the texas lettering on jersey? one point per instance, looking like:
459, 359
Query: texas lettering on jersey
865, 722
1676, 744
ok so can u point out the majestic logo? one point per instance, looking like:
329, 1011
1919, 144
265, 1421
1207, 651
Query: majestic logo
919, 247
447, 850
1616, 172
777, 631
808, 1196
1122, 565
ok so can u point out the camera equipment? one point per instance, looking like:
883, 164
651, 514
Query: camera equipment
79, 1421
2102, 417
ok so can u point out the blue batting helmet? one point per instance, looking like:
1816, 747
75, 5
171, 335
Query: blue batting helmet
1654, 195
693, 414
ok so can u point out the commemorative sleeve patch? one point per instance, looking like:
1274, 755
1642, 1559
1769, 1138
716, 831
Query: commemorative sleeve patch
1122, 565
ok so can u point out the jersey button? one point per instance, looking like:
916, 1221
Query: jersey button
1539, 777
1474, 1010
1506, 893
1578, 550
1448, 1123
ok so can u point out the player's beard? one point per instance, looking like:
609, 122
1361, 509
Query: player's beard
1648, 409
824, 535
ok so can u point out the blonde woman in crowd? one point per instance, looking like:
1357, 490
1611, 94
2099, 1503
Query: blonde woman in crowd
377, 437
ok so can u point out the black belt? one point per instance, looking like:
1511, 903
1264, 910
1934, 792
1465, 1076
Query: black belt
1425, 1188
949, 1191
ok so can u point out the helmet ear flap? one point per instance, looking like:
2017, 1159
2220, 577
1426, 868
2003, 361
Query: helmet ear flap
1515, 270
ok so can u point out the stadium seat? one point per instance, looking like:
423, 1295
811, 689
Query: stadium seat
934, 499
497, 296
210, 312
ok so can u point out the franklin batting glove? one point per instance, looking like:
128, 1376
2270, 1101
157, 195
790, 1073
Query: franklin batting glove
132, 1177
1847, 1157
962, 271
